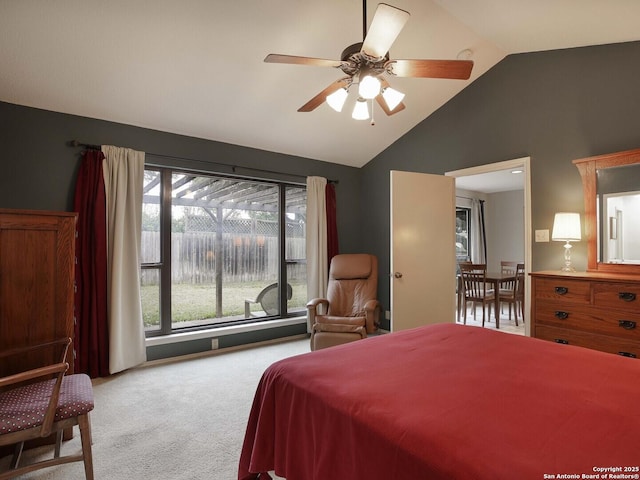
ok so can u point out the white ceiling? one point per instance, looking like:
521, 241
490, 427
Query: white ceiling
195, 67
492, 182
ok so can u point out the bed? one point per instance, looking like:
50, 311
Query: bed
445, 401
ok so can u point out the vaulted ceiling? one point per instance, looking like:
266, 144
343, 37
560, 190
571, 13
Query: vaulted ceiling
195, 67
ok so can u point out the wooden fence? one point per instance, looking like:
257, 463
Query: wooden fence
244, 257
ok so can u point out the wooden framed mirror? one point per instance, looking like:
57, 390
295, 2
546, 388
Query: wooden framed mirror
611, 185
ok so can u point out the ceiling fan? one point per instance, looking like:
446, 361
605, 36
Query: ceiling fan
365, 64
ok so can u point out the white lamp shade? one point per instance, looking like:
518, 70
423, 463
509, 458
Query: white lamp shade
336, 99
566, 227
369, 87
360, 111
392, 97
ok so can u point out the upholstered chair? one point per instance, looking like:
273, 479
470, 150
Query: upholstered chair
351, 309
39, 402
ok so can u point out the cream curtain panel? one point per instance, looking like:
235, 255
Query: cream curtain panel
123, 170
316, 239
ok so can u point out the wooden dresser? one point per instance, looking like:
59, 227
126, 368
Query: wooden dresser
37, 264
594, 310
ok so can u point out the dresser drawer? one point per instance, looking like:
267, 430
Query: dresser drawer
617, 295
604, 343
566, 290
591, 319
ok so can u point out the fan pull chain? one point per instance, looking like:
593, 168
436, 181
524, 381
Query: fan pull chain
373, 121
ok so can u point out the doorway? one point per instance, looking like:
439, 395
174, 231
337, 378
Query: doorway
488, 175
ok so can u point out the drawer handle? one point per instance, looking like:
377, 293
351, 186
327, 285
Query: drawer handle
561, 315
627, 354
562, 341
562, 290
627, 296
627, 324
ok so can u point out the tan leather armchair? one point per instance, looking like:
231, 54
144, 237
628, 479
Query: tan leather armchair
351, 309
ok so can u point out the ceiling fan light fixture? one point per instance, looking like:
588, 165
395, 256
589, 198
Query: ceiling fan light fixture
392, 97
368, 62
360, 111
336, 99
369, 87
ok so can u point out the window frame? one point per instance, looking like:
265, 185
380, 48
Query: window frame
467, 211
163, 265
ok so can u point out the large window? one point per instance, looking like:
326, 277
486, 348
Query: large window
219, 250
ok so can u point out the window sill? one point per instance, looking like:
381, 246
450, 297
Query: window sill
222, 331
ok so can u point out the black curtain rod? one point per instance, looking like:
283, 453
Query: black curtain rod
469, 198
76, 143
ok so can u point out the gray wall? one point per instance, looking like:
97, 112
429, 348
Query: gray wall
504, 213
553, 106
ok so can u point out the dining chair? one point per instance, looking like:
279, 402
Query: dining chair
42, 401
476, 290
513, 294
508, 267
520, 292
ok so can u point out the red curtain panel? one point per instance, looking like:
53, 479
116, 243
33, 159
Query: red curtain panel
91, 330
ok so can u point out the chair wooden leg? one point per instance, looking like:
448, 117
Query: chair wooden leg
59, 435
483, 312
464, 312
85, 438
17, 453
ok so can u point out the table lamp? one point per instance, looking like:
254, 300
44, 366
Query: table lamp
566, 228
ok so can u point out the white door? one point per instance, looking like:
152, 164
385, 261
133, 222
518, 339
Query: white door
423, 255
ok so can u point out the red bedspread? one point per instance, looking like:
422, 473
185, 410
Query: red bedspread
445, 402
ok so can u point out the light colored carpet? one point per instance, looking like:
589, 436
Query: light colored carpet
181, 420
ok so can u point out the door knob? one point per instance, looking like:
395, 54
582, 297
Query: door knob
397, 275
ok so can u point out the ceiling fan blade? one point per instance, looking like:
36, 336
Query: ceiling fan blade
385, 27
294, 60
383, 104
456, 69
316, 101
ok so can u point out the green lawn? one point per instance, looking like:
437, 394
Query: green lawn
197, 302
